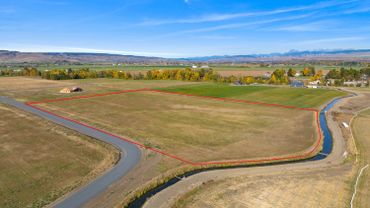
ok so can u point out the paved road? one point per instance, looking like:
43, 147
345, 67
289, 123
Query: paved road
130, 156
168, 196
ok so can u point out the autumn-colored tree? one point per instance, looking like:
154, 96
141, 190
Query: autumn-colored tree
306, 72
317, 76
116, 74
309, 71
195, 76
248, 80
179, 75
291, 72
187, 74
279, 77
165, 74
273, 79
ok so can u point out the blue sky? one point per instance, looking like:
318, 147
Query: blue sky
183, 28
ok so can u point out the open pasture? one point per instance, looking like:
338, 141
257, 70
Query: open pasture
16, 84
194, 128
33, 89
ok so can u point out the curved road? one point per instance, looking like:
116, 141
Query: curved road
167, 196
130, 156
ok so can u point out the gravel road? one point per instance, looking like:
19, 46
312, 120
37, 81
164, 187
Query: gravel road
130, 156
168, 196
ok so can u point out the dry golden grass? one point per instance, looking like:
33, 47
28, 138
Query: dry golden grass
194, 128
24, 83
40, 161
34, 89
361, 132
140, 116
312, 189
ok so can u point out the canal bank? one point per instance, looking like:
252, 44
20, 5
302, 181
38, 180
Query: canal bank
327, 148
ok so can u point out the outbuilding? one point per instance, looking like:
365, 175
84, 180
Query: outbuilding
297, 83
65, 90
70, 90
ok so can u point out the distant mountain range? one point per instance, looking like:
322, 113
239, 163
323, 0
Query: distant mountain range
66, 57
291, 56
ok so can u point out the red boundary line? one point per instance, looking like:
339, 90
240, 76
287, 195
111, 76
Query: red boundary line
275, 159
85, 96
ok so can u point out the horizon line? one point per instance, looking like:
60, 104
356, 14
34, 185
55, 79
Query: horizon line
189, 57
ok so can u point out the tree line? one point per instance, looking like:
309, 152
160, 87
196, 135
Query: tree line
26, 71
279, 76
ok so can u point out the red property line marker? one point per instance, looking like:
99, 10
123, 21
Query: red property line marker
233, 100
262, 160
85, 96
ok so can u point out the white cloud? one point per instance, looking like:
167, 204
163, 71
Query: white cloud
357, 10
308, 27
237, 25
221, 17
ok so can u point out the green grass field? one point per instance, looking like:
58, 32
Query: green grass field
300, 97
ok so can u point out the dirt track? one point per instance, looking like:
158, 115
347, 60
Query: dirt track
168, 196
